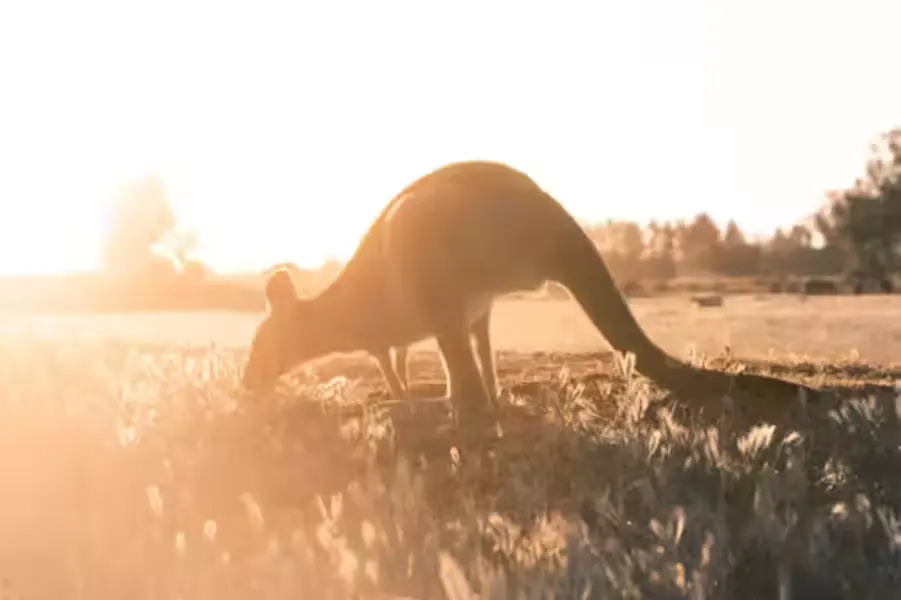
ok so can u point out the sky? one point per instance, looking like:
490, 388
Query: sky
282, 128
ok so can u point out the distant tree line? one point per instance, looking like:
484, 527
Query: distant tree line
699, 247
858, 230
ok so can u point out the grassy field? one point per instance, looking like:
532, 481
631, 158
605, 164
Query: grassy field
821, 328
131, 467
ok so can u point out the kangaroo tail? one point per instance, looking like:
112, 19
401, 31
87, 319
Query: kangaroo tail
579, 267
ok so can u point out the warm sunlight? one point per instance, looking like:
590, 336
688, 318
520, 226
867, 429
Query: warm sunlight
281, 129
680, 383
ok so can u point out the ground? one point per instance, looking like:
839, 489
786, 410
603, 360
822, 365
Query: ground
133, 466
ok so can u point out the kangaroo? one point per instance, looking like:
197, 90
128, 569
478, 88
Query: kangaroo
432, 264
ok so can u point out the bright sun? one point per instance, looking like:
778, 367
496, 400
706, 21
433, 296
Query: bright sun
281, 132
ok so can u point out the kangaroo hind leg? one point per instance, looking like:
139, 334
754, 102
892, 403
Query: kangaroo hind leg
465, 387
401, 354
482, 337
398, 389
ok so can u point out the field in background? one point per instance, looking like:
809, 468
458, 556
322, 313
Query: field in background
132, 468
97, 293
824, 328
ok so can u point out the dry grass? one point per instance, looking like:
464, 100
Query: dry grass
133, 470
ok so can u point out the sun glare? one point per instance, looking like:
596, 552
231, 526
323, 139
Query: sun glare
284, 146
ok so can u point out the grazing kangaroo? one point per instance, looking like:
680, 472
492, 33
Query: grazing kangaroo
431, 265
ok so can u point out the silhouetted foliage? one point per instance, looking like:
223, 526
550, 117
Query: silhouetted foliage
701, 243
736, 256
145, 239
140, 216
860, 230
660, 255
670, 249
864, 221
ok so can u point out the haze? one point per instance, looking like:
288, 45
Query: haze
281, 129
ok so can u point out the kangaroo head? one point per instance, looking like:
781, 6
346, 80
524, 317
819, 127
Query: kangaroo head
276, 347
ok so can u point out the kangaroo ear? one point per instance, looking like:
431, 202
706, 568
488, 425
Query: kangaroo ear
280, 291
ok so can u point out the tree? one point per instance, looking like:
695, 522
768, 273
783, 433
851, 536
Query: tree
140, 215
631, 242
659, 258
701, 242
864, 221
622, 245
145, 238
668, 237
792, 253
734, 236
800, 237
737, 256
